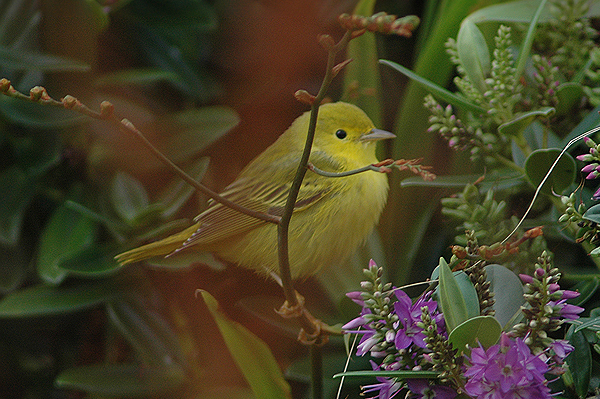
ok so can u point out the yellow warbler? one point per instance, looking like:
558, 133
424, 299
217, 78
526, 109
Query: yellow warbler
332, 217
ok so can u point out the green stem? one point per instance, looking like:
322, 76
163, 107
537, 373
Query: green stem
316, 360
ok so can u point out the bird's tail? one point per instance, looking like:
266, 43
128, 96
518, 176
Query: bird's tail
159, 248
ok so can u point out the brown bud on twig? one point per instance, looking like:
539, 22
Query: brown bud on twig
379, 22
39, 93
70, 102
304, 97
106, 109
5, 85
327, 42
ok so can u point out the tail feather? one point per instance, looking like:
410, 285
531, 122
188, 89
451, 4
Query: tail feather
159, 248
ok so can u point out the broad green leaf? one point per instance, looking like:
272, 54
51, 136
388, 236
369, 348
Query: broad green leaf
20, 59
42, 299
511, 11
484, 330
178, 192
469, 294
517, 126
18, 190
451, 298
362, 82
66, 234
195, 129
248, 351
508, 292
94, 262
538, 164
122, 380
579, 361
435, 89
593, 214
591, 120
140, 76
474, 54
569, 95
147, 331
586, 290
38, 116
128, 196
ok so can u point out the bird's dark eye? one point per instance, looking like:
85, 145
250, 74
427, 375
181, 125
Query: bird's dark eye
341, 134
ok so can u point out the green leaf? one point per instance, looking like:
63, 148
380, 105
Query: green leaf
569, 95
18, 190
586, 290
436, 90
579, 361
469, 294
94, 262
37, 116
591, 120
195, 129
538, 164
451, 298
484, 330
178, 192
508, 292
499, 179
67, 233
517, 126
588, 323
42, 299
21, 59
128, 196
362, 82
140, 76
389, 374
512, 11
248, 351
148, 332
474, 54
122, 380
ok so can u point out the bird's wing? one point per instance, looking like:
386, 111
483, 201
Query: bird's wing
219, 222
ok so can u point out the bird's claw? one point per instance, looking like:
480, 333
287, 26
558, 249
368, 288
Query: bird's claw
288, 312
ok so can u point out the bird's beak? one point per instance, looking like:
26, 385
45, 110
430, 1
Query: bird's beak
377, 134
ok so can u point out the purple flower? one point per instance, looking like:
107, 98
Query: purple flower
387, 388
561, 309
409, 314
421, 389
506, 370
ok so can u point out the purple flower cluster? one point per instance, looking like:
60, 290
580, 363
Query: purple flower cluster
506, 370
592, 170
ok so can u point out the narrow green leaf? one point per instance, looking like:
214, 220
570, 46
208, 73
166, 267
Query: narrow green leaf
122, 380
37, 116
128, 196
94, 262
248, 350
528, 41
435, 89
362, 82
589, 323
502, 180
484, 330
148, 332
451, 298
67, 233
474, 54
42, 299
20, 59
469, 294
389, 374
508, 292
538, 164
18, 190
579, 361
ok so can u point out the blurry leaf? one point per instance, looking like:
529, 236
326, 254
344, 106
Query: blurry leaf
436, 90
451, 298
42, 299
136, 77
511, 11
14, 266
93, 262
569, 95
469, 294
122, 380
38, 153
148, 332
516, 126
396, 374
586, 290
579, 361
474, 54
195, 129
20, 59
362, 82
497, 179
18, 190
484, 330
508, 292
36, 115
538, 164
128, 196
591, 120
66, 233
248, 350
178, 192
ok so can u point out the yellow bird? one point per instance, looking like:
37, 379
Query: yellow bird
332, 217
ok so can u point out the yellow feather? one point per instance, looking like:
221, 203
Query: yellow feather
333, 216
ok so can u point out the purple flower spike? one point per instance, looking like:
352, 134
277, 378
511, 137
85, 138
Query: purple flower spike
421, 389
